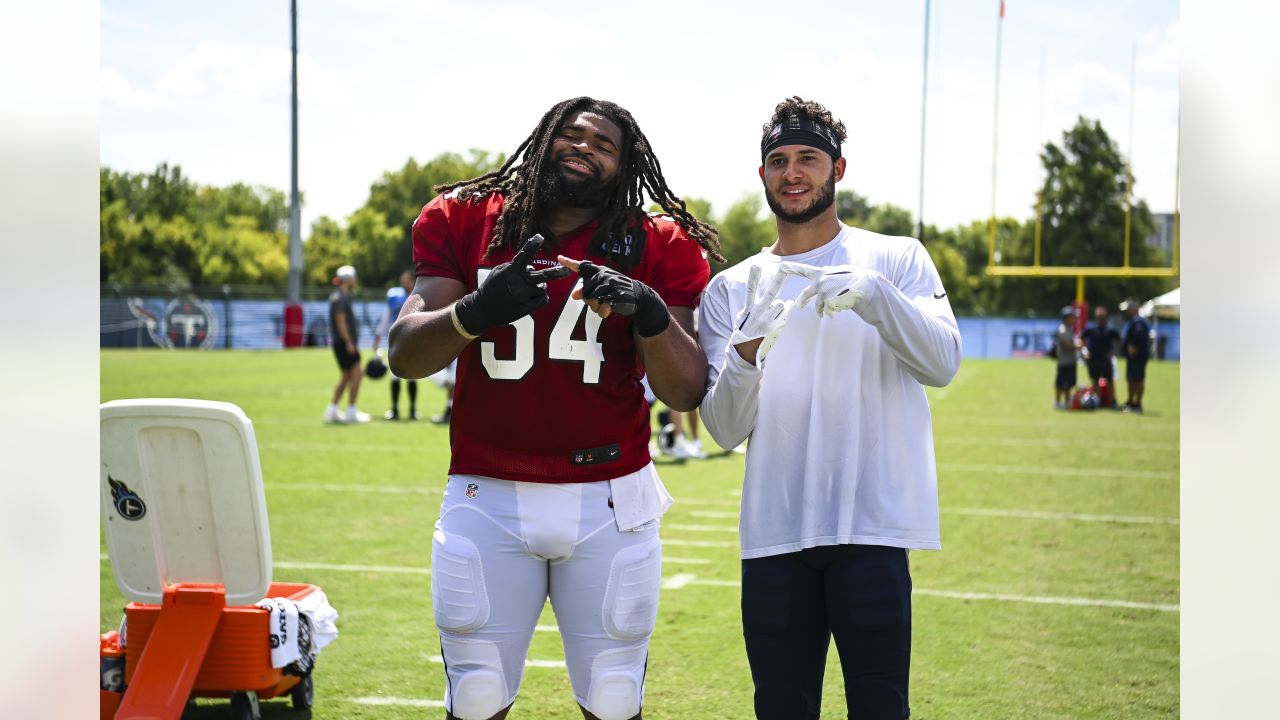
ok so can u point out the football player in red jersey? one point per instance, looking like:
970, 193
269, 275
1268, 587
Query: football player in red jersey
556, 292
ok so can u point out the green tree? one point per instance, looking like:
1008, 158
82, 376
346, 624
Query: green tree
327, 249
236, 251
160, 227
266, 207
743, 232
888, 219
399, 196
1083, 201
852, 208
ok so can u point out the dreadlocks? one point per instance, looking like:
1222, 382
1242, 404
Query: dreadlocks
638, 172
807, 109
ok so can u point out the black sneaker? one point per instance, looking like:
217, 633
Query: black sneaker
392, 414
442, 418
413, 413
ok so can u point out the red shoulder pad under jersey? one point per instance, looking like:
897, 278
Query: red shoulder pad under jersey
680, 271
446, 233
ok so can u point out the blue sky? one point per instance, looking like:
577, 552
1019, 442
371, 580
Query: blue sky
206, 86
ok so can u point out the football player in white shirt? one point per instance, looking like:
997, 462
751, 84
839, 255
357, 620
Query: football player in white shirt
841, 480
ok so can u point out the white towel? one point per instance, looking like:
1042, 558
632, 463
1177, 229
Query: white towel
282, 625
282, 630
639, 498
324, 618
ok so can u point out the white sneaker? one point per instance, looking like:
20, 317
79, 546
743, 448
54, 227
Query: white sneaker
685, 450
697, 448
355, 416
653, 450
331, 414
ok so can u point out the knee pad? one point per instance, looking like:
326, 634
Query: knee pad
458, 597
477, 688
617, 683
631, 598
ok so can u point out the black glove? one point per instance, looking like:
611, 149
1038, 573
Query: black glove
511, 291
628, 296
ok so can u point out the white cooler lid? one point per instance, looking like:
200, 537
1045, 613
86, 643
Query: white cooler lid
182, 498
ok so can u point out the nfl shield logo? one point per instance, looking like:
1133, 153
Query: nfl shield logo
472, 488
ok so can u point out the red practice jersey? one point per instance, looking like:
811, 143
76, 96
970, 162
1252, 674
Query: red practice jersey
554, 396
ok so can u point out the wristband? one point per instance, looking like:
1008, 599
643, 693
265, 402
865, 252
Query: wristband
457, 324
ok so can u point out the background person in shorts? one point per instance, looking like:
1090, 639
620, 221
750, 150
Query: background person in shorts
345, 332
1064, 345
1137, 350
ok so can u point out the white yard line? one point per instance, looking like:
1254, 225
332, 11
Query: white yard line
289, 565
1051, 424
711, 501
989, 512
1044, 515
675, 582
344, 487
1090, 602
699, 543
717, 583
686, 580
682, 580
982, 440
529, 662
718, 514
360, 447
1090, 472
962, 377
405, 569
399, 702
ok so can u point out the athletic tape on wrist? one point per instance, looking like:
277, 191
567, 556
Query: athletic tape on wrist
457, 324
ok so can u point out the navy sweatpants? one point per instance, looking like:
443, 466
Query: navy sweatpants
792, 605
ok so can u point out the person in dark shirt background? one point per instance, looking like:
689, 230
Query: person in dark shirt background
1099, 341
1137, 350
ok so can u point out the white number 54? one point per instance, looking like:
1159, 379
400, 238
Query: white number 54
562, 346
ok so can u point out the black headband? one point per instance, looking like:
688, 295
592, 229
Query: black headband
796, 130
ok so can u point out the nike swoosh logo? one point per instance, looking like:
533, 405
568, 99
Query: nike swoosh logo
939, 296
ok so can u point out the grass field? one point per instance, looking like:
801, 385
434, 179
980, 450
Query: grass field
1055, 594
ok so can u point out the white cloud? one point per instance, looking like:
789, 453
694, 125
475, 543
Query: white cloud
115, 88
251, 74
448, 76
1160, 52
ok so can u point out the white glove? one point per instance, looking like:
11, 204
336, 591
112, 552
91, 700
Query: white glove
761, 319
835, 288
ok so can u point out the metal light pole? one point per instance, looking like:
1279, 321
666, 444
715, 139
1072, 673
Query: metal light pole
293, 308
924, 100
295, 208
995, 132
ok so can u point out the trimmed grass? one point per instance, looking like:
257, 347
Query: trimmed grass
1039, 507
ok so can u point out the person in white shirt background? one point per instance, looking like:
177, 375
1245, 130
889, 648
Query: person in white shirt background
841, 479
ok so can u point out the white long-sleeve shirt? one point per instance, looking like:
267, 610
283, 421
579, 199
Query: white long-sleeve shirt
841, 445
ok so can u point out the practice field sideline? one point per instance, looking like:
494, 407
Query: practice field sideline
1055, 594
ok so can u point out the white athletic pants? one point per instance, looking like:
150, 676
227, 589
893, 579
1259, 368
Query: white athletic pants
500, 549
